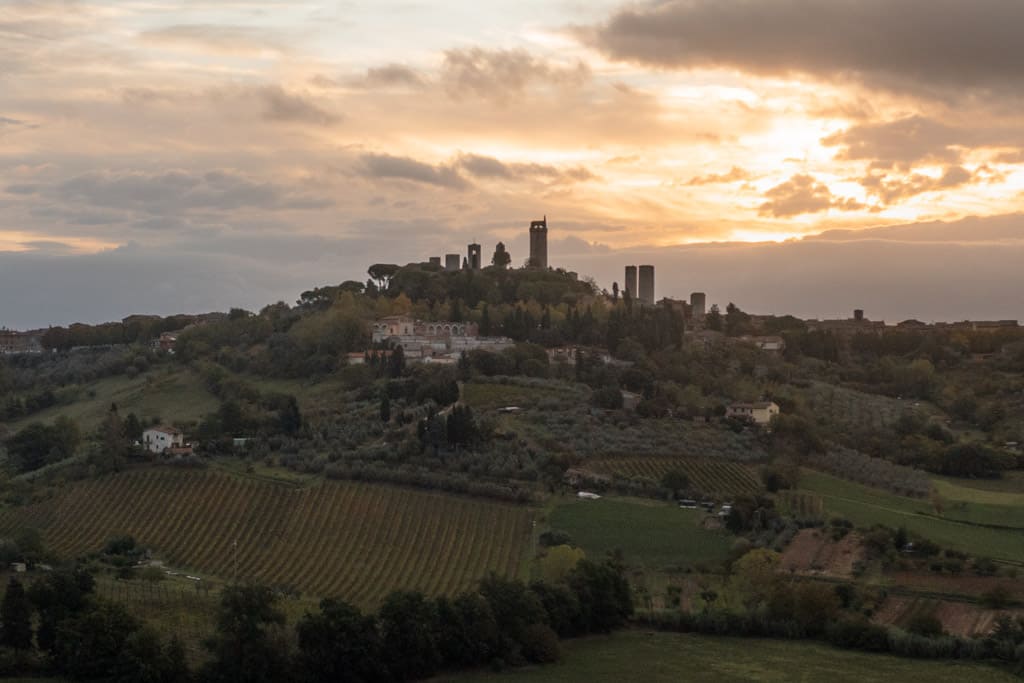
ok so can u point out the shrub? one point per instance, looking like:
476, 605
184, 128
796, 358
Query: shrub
540, 644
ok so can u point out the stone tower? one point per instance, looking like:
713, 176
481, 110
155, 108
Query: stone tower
473, 256
698, 305
539, 244
646, 293
631, 282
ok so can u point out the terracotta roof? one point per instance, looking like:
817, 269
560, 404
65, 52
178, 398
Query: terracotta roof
166, 430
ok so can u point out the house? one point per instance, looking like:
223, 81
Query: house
630, 400
760, 413
769, 344
159, 439
166, 342
12, 342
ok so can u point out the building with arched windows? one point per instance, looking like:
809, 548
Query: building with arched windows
421, 339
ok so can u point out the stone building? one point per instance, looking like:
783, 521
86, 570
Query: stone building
539, 244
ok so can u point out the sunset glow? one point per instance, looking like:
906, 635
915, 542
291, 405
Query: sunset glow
212, 127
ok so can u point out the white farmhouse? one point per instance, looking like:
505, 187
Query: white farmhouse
159, 439
759, 413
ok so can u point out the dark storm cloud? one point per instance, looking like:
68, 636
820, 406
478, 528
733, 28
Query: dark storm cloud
899, 43
501, 74
803, 194
280, 105
404, 168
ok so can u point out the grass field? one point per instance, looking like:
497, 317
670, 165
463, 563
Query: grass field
355, 541
650, 534
177, 396
708, 476
866, 506
673, 657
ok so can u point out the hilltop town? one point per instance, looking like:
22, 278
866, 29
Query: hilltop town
449, 433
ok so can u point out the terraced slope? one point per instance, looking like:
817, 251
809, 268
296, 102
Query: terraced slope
355, 541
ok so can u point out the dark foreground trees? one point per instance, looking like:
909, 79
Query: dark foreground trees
503, 623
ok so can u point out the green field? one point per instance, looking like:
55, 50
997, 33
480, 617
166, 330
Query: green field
172, 396
673, 657
354, 541
650, 534
958, 529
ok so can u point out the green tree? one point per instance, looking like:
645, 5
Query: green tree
90, 645
133, 427
501, 258
468, 633
676, 480
339, 645
16, 617
713, 319
290, 417
385, 409
244, 649
603, 593
559, 561
382, 274
408, 628
145, 660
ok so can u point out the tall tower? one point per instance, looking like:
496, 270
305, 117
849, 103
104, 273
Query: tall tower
473, 256
631, 282
698, 305
647, 285
539, 244
452, 262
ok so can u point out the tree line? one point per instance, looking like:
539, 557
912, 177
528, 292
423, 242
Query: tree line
58, 625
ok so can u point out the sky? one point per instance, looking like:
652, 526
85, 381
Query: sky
793, 156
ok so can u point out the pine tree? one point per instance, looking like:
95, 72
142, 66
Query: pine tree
16, 617
385, 409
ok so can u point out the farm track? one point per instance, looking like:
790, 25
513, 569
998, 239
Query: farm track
352, 540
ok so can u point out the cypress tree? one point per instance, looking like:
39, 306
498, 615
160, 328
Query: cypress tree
16, 617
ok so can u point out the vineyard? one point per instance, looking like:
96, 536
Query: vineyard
709, 477
355, 541
958, 618
800, 505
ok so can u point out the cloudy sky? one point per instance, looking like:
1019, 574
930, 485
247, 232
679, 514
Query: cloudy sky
790, 155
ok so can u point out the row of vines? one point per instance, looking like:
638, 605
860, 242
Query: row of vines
708, 476
355, 541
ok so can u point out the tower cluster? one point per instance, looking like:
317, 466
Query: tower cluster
640, 284
473, 260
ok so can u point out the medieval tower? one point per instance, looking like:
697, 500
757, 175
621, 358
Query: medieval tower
539, 244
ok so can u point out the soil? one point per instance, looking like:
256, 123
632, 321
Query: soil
812, 552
